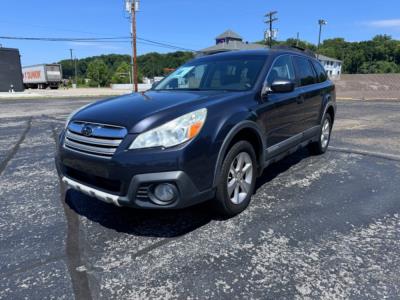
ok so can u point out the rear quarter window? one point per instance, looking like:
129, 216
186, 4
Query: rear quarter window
321, 73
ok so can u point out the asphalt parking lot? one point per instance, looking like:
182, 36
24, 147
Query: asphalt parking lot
318, 226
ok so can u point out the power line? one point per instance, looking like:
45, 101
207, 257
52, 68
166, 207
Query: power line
122, 39
165, 44
53, 29
52, 39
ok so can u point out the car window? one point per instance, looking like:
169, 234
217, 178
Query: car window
219, 74
322, 77
282, 69
234, 75
304, 71
186, 78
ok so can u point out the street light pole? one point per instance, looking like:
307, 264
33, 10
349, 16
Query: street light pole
321, 23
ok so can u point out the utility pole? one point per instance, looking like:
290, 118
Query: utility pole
76, 73
297, 39
321, 23
132, 6
270, 20
72, 64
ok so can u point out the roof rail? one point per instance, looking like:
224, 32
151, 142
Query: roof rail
297, 49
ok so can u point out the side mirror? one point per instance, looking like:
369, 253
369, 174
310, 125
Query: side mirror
265, 91
282, 86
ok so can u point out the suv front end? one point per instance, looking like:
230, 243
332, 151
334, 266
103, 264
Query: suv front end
154, 169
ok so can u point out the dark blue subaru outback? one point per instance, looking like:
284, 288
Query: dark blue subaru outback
205, 132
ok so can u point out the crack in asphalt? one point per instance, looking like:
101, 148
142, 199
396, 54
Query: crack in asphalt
36, 264
366, 153
14, 150
80, 280
154, 246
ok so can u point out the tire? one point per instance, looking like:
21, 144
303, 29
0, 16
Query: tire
236, 183
324, 137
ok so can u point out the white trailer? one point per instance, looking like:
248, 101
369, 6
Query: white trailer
42, 76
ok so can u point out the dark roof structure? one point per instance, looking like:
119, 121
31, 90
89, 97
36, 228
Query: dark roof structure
229, 34
326, 58
10, 70
229, 41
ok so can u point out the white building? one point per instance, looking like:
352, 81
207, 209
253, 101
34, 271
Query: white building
332, 66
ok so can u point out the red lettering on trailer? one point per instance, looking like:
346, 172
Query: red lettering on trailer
32, 75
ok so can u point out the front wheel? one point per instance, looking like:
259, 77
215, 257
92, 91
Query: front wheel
237, 179
322, 144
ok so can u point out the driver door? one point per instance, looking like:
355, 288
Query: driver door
280, 113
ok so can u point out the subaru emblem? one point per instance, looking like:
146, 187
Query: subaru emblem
87, 130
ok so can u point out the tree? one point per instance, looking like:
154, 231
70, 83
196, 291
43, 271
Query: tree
153, 64
379, 67
98, 73
150, 65
122, 73
379, 55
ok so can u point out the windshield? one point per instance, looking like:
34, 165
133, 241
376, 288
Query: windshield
223, 74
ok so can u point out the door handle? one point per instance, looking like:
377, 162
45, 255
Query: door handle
300, 100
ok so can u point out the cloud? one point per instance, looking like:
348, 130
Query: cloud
390, 23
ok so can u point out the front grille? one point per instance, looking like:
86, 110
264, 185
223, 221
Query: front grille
94, 139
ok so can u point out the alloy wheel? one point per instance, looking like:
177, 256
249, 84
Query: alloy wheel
240, 178
325, 133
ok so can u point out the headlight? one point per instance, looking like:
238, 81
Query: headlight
173, 133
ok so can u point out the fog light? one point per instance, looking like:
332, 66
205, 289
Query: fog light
165, 192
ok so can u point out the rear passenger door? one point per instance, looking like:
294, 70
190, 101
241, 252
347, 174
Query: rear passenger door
310, 93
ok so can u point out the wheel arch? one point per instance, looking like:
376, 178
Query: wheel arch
247, 131
331, 112
329, 108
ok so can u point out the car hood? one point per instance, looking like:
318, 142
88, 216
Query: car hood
141, 111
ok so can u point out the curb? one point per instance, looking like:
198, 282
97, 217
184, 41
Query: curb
366, 99
366, 153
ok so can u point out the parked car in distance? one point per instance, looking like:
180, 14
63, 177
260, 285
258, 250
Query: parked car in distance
205, 132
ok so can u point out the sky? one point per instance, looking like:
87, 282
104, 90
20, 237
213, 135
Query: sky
190, 24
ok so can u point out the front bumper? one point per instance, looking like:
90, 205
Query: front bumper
127, 179
187, 193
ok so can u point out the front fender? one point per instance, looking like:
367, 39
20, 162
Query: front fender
226, 136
